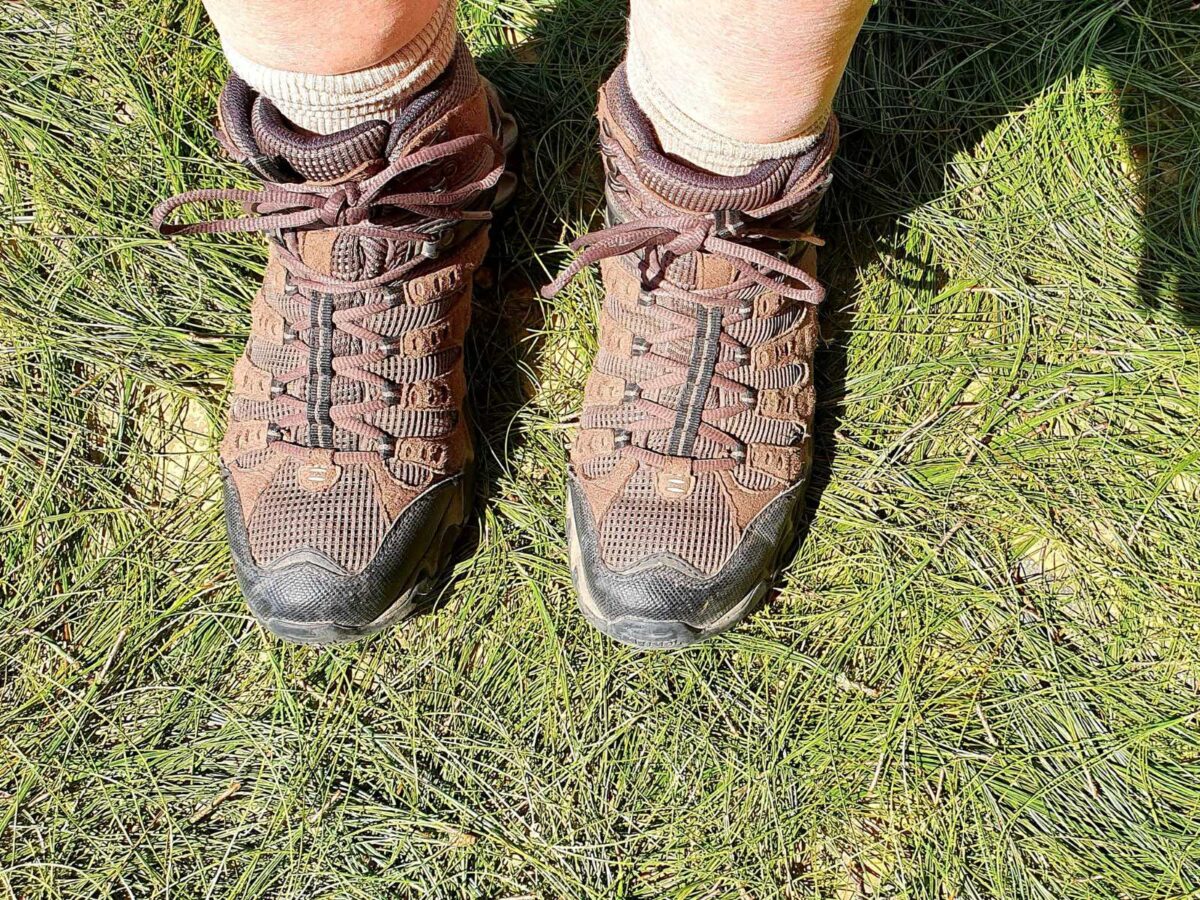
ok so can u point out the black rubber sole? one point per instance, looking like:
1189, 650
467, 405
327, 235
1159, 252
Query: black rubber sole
663, 634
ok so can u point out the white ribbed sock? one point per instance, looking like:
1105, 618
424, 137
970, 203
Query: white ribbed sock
329, 103
681, 135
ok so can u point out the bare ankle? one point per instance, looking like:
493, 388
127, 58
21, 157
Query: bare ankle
318, 37
727, 85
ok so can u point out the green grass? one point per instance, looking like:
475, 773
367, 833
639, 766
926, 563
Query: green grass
981, 678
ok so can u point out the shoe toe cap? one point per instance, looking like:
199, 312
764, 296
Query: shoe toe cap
305, 596
664, 601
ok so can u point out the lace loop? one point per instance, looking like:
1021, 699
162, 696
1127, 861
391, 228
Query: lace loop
676, 236
287, 207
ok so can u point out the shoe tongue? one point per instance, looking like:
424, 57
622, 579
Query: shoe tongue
317, 157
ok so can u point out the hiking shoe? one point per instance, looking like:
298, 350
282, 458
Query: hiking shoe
347, 462
689, 466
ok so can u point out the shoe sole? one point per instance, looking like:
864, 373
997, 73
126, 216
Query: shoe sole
333, 632
667, 634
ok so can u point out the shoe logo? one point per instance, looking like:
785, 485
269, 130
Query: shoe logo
251, 381
429, 454
428, 394
266, 323
424, 341
591, 442
794, 402
244, 437
676, 485
319, 473
788, 464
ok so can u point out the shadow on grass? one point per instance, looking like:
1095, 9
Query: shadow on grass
548, 71
928, 80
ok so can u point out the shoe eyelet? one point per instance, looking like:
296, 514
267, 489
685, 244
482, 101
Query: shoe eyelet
639, 346
738, 453
289, 334
621, 439
728, 223
386, 446
389, 348
646, 298
741, 356
749, 396
274, 432
389, 396
632, 392
277, 389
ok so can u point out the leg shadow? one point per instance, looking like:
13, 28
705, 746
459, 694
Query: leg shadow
1152, 61
927, 81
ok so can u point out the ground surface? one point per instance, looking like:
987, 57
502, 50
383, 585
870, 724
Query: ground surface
978, 681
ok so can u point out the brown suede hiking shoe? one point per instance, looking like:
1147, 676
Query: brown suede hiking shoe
689, 467
347, 462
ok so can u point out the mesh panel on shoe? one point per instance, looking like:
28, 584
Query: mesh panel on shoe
639, 524
274, 357
345, 522
265, 410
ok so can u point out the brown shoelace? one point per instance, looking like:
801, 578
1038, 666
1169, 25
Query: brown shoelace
663, 239
290, 208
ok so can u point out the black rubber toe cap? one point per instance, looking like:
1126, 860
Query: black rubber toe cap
306, 597
665, 602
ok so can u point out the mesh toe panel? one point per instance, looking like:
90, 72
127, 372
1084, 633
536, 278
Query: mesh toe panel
640, 523
344, 522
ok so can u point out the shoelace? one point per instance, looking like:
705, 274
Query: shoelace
290, 208
661, 240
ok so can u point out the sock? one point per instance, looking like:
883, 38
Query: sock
329, 103
681, 135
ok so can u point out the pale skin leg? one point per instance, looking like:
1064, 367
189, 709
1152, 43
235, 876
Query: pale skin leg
321, 37
752, 70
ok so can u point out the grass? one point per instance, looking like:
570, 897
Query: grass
979, 680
